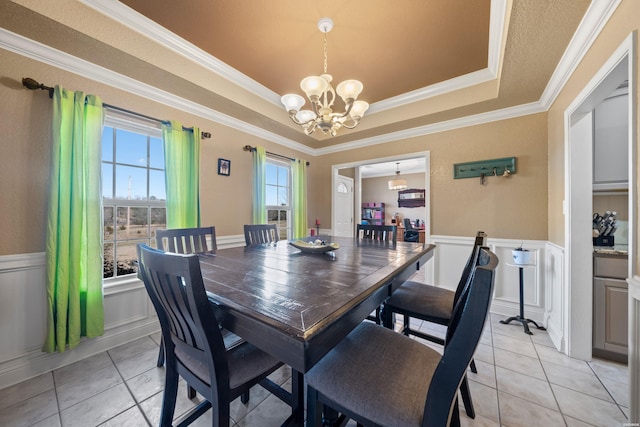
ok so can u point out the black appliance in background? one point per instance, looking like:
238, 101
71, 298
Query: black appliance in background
410, 234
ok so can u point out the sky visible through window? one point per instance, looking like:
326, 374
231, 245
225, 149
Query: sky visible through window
131, 166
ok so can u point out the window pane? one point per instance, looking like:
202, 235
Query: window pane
283, 176
158, 221
272, 174
131, 148
108, 269
108, 223
156, 153
131, 183
107, 144
283, 196
139, 222
272, 195
157, 189
272, 216
107, 180
126, 256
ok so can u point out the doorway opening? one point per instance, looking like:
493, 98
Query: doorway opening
579, 156
356, 170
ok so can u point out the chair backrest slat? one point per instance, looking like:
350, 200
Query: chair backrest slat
259, 234
186, 240
174, 284
480, 241
382, 233
463, 334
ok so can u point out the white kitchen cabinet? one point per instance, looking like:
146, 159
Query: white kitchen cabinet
611, 144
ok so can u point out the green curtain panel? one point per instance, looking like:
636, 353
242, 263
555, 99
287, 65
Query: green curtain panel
74, 222
259, 186
299, 195
182, 175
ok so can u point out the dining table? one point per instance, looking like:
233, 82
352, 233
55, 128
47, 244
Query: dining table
298, 305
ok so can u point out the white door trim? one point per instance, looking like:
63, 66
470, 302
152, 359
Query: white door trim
358, 184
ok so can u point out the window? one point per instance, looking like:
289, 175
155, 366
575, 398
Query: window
133, 192
278, 189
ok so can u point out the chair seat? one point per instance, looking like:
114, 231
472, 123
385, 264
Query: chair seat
391, 388
245, 363
426, 302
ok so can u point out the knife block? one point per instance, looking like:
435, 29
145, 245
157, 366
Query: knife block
603, 241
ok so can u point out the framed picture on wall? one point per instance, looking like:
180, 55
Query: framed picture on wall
224, 167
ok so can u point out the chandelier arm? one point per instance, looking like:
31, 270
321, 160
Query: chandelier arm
292, 116
355, 123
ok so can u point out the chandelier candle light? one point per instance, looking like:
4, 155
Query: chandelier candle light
321, 94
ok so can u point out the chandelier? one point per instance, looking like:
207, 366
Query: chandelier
398, 183
321, 94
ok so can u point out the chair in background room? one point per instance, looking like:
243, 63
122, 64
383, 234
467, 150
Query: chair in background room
433, 304
410, 234
260, 234
195, 348
360, 377
382, 233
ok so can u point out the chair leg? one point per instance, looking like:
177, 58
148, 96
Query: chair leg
314, 408
170, 397
406, 321
191, 392
244, 398
466, 398
472, 365
161, 354
455, 415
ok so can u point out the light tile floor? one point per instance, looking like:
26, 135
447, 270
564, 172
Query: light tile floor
521, 381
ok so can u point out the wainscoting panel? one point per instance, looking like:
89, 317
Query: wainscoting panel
129, 315
554, 292
453, 252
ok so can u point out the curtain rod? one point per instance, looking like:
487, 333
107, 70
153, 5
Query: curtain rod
31, 84
250, 149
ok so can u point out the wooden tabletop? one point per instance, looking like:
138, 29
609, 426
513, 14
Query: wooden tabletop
296, 305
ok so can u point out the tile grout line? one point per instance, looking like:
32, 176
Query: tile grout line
607, 389
135, 401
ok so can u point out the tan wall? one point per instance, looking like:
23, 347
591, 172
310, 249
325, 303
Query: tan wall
622, 23
25, 123
514, 207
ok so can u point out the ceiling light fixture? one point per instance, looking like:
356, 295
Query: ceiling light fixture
398, 183
321, 94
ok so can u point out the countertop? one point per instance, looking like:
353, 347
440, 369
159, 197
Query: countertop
612, 250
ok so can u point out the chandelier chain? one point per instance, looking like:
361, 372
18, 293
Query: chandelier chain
325, 52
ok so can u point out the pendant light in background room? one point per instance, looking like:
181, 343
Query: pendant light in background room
397, 183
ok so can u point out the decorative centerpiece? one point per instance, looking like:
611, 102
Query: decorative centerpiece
314, 246
521, 256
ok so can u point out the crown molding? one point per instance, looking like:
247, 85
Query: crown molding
477, 119
150, 29
596, 17
135, 21
592, 23
48, 55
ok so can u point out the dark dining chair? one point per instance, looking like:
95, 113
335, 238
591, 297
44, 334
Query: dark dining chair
410, 234
381, 233
184, 241
259, 234
195, 348
433, 304
187, 240
365, 377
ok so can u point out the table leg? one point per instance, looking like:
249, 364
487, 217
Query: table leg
297, 400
